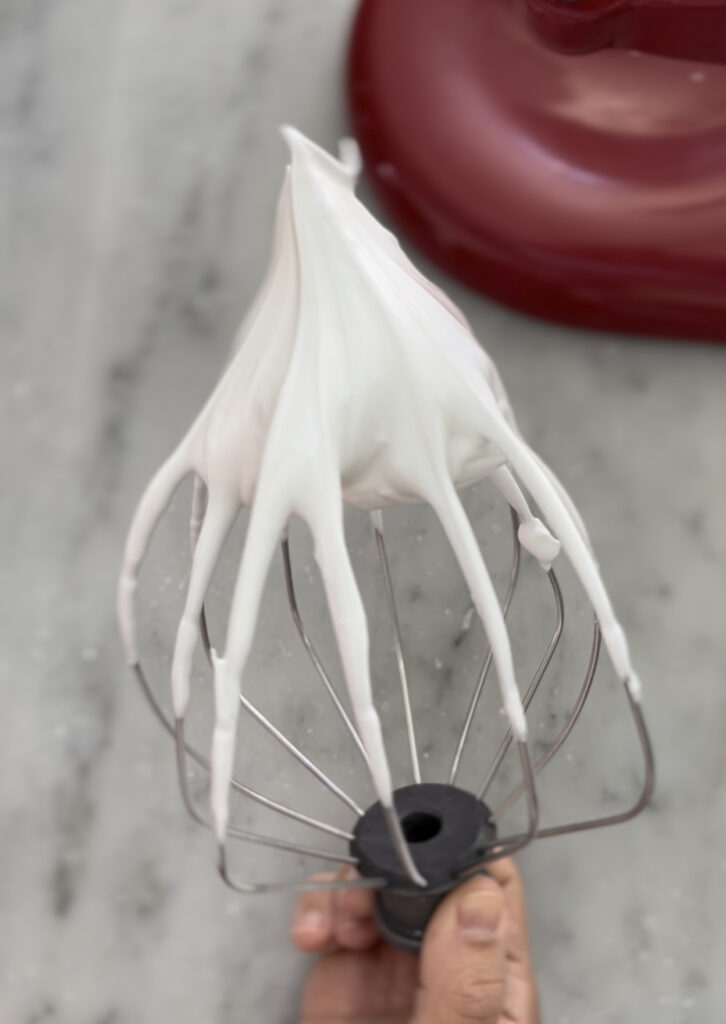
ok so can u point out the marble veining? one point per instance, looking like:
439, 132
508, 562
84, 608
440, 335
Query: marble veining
139, 165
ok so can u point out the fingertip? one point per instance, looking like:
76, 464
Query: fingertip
354, 918
483, 882
354, 904
357, 935
312, 924
504, 871
311, 930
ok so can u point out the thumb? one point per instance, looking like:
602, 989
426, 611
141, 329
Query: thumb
463, 959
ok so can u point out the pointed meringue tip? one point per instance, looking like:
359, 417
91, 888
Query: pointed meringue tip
300, 145
308, 155
519, 727
635, 687
350, 156
291, 136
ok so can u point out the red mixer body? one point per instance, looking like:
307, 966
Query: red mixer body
566, 157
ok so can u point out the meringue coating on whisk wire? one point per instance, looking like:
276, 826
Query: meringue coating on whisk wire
353, 379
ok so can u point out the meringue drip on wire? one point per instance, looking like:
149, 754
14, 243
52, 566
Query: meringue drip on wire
352, 379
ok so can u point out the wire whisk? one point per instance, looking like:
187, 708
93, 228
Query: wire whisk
355, 381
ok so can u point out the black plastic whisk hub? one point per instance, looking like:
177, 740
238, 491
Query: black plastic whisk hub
448, 831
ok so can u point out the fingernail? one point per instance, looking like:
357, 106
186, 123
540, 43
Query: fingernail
310, 921
479, 915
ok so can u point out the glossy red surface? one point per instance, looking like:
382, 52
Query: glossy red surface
586, 189
687, 29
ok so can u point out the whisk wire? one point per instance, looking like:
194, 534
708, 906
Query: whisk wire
486, 665
238, 786
299, 756
512, 844
293, 885
645, 792
311, 651
237, 833
393, 824
644, 796
377, 520
534, 685
569, 723
277, 734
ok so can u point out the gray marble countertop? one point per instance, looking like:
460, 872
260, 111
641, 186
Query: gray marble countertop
139, 167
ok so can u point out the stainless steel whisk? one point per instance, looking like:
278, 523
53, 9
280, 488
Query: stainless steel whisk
452, 831
355, 380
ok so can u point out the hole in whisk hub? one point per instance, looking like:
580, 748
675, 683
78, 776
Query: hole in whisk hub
447, 829
420, 826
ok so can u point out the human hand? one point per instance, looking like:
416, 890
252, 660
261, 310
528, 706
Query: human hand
474, 966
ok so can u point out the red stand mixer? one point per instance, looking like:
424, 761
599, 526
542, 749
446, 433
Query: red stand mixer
566, 157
